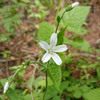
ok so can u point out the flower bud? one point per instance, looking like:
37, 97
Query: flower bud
75, 4
6, 87
69, 8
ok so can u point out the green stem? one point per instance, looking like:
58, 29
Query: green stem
57, 27
46, 74
59, 21
18, 70
37, 63
34, 75
32, 81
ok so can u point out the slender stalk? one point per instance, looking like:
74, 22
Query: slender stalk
32, 81
59, 21
37, 63
33, 76
18, 70
57, 27
46, 74
46, 79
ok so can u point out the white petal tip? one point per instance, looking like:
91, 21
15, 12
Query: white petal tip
56, 59
66, 48
46, 57
59, 63
41, 42
75, 4
44, 45
54, 35
44, 61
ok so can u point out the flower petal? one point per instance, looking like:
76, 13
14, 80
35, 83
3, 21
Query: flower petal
44, 45
60, 48
56, 58
46, 57
53, 40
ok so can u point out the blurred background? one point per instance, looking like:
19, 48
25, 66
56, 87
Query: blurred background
19, 24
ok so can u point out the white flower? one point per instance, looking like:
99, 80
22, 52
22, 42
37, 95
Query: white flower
75, 4
6, 87
51, 49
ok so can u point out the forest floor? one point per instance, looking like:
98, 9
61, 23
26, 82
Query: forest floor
24, 45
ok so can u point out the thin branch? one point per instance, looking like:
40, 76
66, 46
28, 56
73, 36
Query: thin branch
88, 55
58, 22
37, 63
33, 76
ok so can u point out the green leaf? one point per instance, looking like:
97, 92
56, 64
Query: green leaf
98, 58
68, 98
51, 92
17, 16
21, 73
37, 95
92, 95
2, 82
26, 1
15, 1
66, 73
12, 19
4, 37
5, 20
79, 30
77, 94
74, 19
45, 31
42, 69
27, 97
64, 85
3, 1
61, 36
65, 58
0, 97
36, 82
42, 83
13, 95
8, 26
85, 88
56, 98
5, 53
29, 82
79, 43
55, 75
35, 15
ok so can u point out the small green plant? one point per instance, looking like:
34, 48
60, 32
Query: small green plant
42, 11
11, 19
4, 37
5, 53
